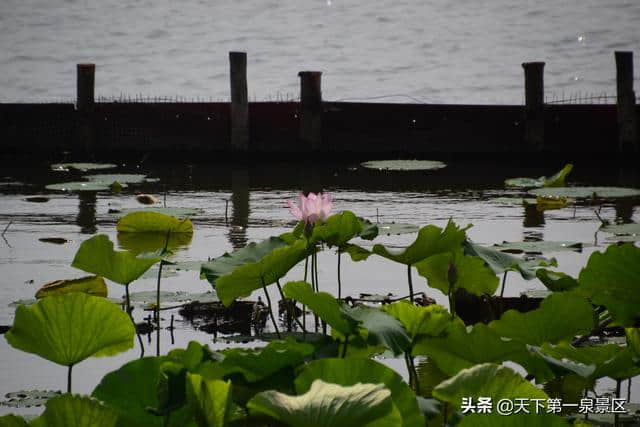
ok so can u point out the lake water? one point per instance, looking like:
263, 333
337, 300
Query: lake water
257, 209
395, 51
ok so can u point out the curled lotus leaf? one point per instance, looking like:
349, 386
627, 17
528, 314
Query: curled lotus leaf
153, 222
76, 411
92, 285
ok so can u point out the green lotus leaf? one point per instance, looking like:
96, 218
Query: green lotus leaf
339, 229
210, 399
255, 365
357, 253
472, 273
171, 389
611, 279
91, 285
132, 389
69, 328
500, 262
592, 362
251, 253
555, 180
540, 246
323, 304
148, 298
560, 316
96, 255
326, 404
27, 398
254, 275
459, 348
431, 320
404, 165
81, 186
122, 178
351, 371
13, 421
76, 411
587, 192
145, 242
149, 222
633, 340
431, 240
176, 212
393, 228
382, 328
622, 232
82, 167
556, 281
429, 376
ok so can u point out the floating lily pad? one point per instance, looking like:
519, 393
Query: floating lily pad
37, 199
28, 301
28, 398
122, 178
82, 167
82, 186
92, 285
553, 181
539, 247
168, 297
587, 192
392, 228
516, 201
404, 165
177, 212
623, 232
171, 270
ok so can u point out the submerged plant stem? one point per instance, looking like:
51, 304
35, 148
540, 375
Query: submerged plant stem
410, 283
504, 281
273, 319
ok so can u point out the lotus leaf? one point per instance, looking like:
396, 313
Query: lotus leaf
81, 186
211, 400
611, 279
96, 255
633, 340
556, 281
251, 276
12, 421
338, 229
82, 167
392, 228
382, 328
592, 362
500, 262
431, 320
429, 376
473, 274
251, 253
513, 201
146, 222
587, 192
404, 165
76, 411
69, 328
92, 285
145, 242
459, 348
550, 203
132, 389
177, 212
431, 240
326, 405
27, 398
123, 178
631, 231
351, 371
540, 247
147, 298
555, 180
560, 316
255, 365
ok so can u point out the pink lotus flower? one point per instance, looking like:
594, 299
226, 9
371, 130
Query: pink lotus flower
312, 208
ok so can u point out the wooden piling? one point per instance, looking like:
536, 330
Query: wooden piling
534, 105
239, 102
626, 103
85, 100
310, 120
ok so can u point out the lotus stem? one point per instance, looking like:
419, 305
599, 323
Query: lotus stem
304, 307
273, 319
157, 312
344, 349
409, 371
126, 288
314, 287
410, 283
601, 326
504, 281
69, 378
293, 306
629, 390
339, 281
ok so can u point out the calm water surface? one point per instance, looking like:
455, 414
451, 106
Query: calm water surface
257, 209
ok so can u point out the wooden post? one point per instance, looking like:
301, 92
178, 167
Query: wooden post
534, 104
311, 109
626, 102
85, 99
239, 101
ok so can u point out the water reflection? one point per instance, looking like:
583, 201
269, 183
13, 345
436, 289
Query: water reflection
240, 210
532, 216
86, 218
624, 211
